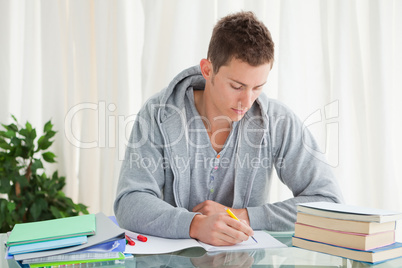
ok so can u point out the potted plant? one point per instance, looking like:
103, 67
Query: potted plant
30, 194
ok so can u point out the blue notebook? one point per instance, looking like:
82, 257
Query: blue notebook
46, 245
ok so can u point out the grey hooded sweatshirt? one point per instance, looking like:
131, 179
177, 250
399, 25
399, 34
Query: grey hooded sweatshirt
155, 201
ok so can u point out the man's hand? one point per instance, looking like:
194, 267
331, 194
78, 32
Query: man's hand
219, 229
210, 207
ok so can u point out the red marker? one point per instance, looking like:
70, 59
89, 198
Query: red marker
136, 236
142, 238
130, 241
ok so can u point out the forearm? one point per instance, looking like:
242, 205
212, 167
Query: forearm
147, 214
280, 216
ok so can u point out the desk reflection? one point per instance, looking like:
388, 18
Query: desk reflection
227, 259
197, 257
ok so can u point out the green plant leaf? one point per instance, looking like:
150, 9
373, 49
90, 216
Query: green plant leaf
41, 193
3, 206
55, 175
36, 164
24, 132
22, 151
15, 141
83, 208
22, 180
28, 196
48, 126
5, 145
28, 126
8, 134
15, 119
28, 132
43, 143
50, 134
35, 210
12, 127
39, 205
5, 185
10, 207
56, 213
61, 194
30, 140
49, 157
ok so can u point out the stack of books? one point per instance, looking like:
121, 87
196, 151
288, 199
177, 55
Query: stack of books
352, 232
66, 241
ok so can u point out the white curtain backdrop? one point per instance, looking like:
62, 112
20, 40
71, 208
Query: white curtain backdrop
90, 65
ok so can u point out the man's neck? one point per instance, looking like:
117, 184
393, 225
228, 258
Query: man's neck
218, 127
214, 121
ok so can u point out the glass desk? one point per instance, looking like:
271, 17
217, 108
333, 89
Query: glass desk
198, 257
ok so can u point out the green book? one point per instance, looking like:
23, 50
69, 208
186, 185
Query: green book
24, 233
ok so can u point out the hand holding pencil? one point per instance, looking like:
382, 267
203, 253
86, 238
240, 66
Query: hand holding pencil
234, 217
213, 226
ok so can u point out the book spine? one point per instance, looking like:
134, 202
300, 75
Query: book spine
345, 225
344, 239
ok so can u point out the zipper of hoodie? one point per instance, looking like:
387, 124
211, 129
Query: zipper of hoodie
249, 186
172, 165
251, 180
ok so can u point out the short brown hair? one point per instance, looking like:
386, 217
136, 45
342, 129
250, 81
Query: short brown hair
242, 36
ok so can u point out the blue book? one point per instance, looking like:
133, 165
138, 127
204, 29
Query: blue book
111, 246
46, 245
374, 256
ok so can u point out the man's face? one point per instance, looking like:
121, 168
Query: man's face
233, 90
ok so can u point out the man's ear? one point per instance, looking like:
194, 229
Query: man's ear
206, 69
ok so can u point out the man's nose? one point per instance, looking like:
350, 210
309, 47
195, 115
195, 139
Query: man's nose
247, 98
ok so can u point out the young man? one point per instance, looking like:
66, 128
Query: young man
211, 140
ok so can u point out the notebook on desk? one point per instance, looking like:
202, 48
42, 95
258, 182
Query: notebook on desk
48, 245
25, 233
106, 231
158, 245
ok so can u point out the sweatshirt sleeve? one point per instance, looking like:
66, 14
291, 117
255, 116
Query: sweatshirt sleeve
139, 204
300, 165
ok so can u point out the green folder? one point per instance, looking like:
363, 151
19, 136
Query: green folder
70, 263
24, 233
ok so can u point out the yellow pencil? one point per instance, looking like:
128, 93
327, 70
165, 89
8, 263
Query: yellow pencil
237, 219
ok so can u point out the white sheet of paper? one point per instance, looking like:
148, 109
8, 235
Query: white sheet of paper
158, 245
